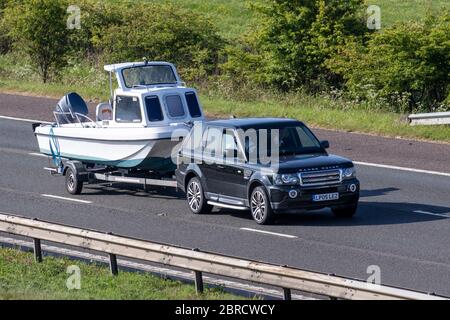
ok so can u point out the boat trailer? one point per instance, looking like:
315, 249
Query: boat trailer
77, 174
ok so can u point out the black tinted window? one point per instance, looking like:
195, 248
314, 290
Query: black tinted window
128, 109
193, 106
153, 106
213, 142
174, 106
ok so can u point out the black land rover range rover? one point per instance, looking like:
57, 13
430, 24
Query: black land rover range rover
265, 165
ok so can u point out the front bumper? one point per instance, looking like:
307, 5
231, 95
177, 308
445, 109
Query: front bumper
281, 201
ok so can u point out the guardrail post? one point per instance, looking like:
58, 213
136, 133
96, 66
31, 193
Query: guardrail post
198, 278
198, 281
113, 264
287, 294
37, 250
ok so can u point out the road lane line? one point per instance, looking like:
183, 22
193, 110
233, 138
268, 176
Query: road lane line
64, 198
401, 168
431, 213
24, 120
271, 233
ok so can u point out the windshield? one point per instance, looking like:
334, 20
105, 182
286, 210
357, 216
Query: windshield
279, 140
148, 75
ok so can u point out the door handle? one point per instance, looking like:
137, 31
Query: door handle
220, 167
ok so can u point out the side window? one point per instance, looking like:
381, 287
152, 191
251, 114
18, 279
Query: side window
193, 105
128, 109
153, 107
187, 146
213, 142
229, 145
175, 106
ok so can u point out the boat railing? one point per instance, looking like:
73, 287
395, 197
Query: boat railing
82, 119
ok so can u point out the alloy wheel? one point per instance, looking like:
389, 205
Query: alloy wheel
194, 195
258, 205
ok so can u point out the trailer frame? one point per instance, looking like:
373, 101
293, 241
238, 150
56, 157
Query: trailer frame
78, 174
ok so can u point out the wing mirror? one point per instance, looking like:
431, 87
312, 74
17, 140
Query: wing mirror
325, 144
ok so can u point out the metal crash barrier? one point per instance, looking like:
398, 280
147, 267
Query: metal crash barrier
199, 262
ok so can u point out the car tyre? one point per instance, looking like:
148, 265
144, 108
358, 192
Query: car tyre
73, 184
345, 212
196, 198
260, 207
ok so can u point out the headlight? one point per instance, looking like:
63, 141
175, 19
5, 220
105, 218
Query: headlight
285, 179
349, 173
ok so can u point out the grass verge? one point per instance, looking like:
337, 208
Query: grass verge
316, 111
22, 278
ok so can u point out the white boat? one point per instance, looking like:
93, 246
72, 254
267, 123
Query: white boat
140, 128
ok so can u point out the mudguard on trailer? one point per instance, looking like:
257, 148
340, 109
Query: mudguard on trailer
78, 168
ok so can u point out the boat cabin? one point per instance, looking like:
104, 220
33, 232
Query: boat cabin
148, 94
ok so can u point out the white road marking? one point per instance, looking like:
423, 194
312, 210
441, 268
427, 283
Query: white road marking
432, 213
271, 233
401, 168
24, 120
64, 198
37, 154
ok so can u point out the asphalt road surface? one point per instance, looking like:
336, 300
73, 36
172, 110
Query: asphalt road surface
402, 225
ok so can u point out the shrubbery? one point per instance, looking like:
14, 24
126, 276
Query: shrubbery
324, 46
294, 40
407, 65
163, 32
38, 28
5, 41
314, 46
112, 32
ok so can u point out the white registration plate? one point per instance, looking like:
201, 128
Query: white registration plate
325, 197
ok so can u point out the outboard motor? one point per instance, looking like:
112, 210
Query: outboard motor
69, 105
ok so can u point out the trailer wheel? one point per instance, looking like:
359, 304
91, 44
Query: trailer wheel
73, 184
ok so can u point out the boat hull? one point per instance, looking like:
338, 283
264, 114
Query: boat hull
148, 154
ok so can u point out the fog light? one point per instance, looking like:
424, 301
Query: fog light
293, 194
352, 187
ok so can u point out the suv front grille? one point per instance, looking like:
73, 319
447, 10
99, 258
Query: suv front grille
320, 178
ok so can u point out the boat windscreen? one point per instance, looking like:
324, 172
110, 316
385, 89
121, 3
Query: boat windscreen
148, 75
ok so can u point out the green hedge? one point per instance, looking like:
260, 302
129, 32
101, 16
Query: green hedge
112, 32
407, 65
314, 46
163, 32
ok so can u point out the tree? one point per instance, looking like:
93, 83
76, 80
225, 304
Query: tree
163, 32
302, 34
5, 41
38, 28
407, 65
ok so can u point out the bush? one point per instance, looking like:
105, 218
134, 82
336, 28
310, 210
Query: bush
5, 41
38, 28
407, 65
163, 32
112, 32
96, 17
296, 38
